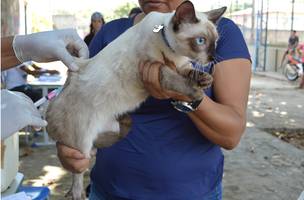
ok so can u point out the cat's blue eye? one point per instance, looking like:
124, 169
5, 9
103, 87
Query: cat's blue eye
200, 41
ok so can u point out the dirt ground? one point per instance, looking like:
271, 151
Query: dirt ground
264, 166
292, 136
41, 167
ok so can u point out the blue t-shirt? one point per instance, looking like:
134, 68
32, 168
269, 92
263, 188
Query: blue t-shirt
164, 156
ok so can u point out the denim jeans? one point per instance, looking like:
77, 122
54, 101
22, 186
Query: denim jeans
216, 194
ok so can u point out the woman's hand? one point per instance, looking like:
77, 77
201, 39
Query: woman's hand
72, 159
150, 75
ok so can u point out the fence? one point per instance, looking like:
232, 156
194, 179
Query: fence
268, 56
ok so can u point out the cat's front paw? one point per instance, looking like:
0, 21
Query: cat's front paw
197, 94
202, 79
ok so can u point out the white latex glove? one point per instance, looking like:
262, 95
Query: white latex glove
51, 46
17, 112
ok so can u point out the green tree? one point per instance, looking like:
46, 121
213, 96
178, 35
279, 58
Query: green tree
237, 5
124, 10
40, 23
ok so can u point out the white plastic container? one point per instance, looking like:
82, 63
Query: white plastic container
9, 161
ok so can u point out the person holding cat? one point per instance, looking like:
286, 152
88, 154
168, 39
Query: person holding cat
169, 153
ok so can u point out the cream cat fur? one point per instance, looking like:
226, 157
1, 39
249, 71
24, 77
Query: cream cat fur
108, 85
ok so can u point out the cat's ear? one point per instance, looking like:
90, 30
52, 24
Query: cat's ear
215, 15
185, 13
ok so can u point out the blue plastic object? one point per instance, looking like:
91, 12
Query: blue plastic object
36, 193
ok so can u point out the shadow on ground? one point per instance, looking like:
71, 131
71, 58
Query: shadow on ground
41, 167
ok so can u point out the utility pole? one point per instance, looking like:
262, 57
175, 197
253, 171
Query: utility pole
231, 9
292, 14
255, 63
252, 21
266, 37
237, 5
25, 17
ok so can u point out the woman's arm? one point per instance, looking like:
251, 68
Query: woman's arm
223, 122
8, 58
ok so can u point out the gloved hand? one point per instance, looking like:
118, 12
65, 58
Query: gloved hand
17, 112
51, 46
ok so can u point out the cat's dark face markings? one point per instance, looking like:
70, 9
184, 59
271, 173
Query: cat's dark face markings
208, 39
199, 33
184, 13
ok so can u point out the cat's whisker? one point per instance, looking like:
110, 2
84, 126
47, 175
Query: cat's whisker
196, 73
215, 61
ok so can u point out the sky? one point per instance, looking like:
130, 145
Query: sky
110, 5
105, 6
46, 8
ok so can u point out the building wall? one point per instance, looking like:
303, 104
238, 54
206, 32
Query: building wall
277, 38
274, 56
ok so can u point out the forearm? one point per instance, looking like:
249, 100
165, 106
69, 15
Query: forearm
8, 58
221, 124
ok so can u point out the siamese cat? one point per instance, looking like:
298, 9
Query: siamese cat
109, 85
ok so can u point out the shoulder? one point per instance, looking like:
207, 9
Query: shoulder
228, 30
117, 25
226, 25
109, 32
225, 22
231, 43
113, 29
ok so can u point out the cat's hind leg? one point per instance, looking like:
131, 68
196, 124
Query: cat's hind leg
84, 144
110, 135
77, 191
